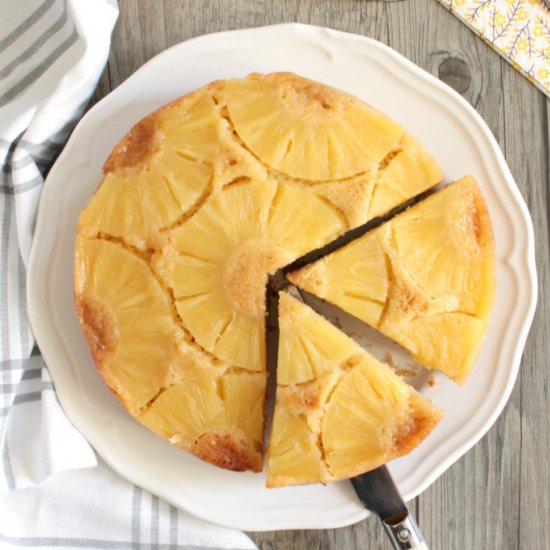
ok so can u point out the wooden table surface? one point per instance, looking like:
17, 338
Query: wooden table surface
497, 496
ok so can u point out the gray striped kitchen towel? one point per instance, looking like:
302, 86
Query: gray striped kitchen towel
52, 53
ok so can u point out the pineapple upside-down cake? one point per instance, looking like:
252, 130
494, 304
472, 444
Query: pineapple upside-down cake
200, 203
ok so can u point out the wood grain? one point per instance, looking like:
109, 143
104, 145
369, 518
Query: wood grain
497, 495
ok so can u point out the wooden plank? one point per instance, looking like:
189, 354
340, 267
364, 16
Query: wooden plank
497, 495
138, 36
103, 87
527, 139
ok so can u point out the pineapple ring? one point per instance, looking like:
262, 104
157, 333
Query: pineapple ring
220, 295
143, 189
200, 202
119, 304
322, 134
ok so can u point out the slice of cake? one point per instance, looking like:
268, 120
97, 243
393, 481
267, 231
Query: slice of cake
339, 412
426, 278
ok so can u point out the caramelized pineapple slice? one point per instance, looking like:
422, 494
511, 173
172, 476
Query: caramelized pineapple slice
156, 173
405, 173
218, 262
308, 344
306, 129
373, 417
126, 320
354, 277
350, 416
426, 278
218, 418
455, 265
294, 455
310, 131
450, 340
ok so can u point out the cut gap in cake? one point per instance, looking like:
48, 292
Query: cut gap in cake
351, 235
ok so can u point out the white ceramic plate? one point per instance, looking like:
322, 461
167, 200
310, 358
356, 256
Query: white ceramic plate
447, 126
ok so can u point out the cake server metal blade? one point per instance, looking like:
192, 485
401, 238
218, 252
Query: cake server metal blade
379, 494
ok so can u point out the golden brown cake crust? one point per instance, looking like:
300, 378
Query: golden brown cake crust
481, 221
99, 327
424, 418
227, 452
314, 94
139, 144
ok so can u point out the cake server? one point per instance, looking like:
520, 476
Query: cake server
379, 494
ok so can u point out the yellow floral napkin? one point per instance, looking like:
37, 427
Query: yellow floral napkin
519, 30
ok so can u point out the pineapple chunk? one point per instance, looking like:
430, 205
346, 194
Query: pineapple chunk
218, 262
349, 417
426, 278
294, 456
156, 173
